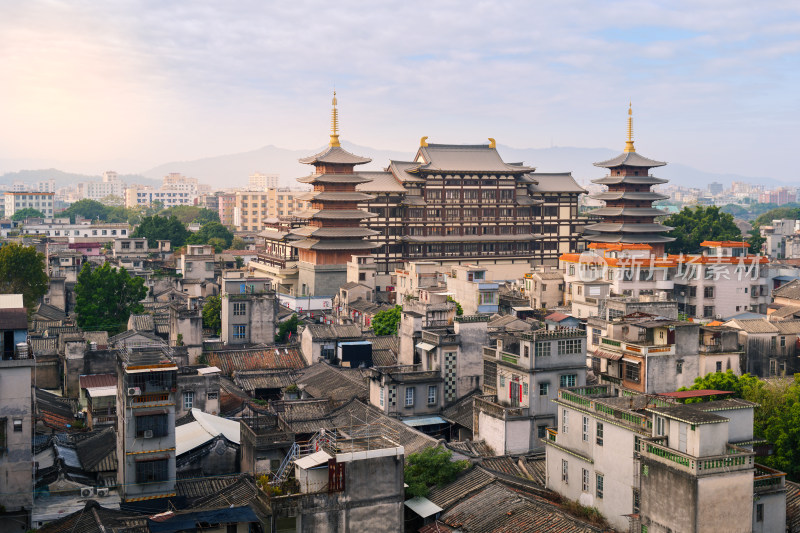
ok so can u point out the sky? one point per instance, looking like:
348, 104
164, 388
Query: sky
84, 85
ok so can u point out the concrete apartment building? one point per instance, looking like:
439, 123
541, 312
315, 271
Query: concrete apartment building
249, 308
226, 205
17, 201
16, 415
109, 185
648, 464
261, 182
252, 207
522, 375
471, 288
545, 288
80, 231
146, 399
197, 262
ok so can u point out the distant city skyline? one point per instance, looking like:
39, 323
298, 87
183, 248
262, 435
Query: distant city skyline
117, 86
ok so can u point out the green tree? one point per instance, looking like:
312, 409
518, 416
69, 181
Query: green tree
239, 261
212, 314
217, 243
156, 228
459, 309
191, 213
22, 271
386, 322
735, 210
791, 211
430, 468
755, 240
695, 225
237, 244
86, 208
105, 297
28, 212
212, 230
285, 327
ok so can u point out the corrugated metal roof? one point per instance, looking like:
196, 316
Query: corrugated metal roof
423, 506
97, 380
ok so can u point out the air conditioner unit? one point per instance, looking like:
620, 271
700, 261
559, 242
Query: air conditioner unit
134, 391
148, 433
86, 492
102, 492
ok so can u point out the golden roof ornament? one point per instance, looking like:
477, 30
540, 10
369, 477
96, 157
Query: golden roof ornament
492, 143
629, 143
334, 123
423, 142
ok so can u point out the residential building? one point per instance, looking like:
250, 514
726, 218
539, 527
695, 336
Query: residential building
110, 185
545, 287
177, 182
40, 201
261, 182
416, 275
629, 216
628, 454
522, 375
770, 348
103, 232
226, 207
16, 415
197, 262
472, 290
249, 308
198, 388
252, 207
779, 235
146, 400
176, 190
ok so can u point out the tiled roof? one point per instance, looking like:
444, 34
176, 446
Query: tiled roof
125, 335
54, 411
785, 312
556, 317
385, 342
270, 358
304, 416
790, 290
792, 506
44, 345
98, 453
753, 325
461, 411
322, 380
334, 331
142, 323
470, 448
49, 312
250, 380
97, 380
242, 491
383, 357
521, 467
97, 519
788, 327
14, 318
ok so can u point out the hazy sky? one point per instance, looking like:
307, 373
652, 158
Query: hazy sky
714, 83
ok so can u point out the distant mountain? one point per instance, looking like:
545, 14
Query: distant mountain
232, 170
67, 178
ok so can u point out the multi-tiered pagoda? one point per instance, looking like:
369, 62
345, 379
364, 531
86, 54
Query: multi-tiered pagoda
334, 232
629, 216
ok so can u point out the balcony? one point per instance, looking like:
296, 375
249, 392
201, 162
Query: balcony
440, 338
768, 480
638, 349
735, 458
590, 398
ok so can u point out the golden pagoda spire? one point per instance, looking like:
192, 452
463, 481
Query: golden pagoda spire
334, 123
629, 143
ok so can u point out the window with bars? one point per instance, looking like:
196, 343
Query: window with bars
569, 346
239, 308
152, 471
567, 380
632, 372
564, 471
564, 421
585, 480
431, 394
585, 428
409, 396
599, 434
599, 486
239, 332
188, 399
544, 389
156, 423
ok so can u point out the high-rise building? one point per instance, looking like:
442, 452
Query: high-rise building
17, 201
251, 208
261, 182
629, 216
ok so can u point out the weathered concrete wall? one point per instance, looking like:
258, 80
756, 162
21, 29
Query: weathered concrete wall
492, 431
474, 336
201, 385
48, 372
262, 319
669, 499
16, 482
725, 502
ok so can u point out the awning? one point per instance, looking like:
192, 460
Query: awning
149, 412
424, 421
423, 507
607, 355
425, 346
97, 392
208, 370
631, 361
315, 459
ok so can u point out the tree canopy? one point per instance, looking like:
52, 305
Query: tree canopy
212, 230
698, 224
286, 327
22, 271
430, 468
28, 212
191, 213
156, 228
212, 313
459, 309
776, 418
386, 322
105, 297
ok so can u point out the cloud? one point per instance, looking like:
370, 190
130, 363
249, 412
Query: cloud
159, 81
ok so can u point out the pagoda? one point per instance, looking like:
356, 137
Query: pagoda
629, 216
334, 232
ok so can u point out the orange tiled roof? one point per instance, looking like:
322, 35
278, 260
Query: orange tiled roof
618, 246
725, 244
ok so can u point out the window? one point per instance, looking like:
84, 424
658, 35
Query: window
544, 389
564, 420
126, 246
152, 471
542, 349
596, 333
213, 395
239, 332
708, 292
783, 342
719, 366
585, 479
599, 433
679, 367
567, 380
239, 308
564, 471
599, 486
759, 512
636, 506
188, 399
381, 393
156, 423
431, 394
17, 425
409, 396
660, 426
585, 429
541, 431
632, 372
526, 351
569, 346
